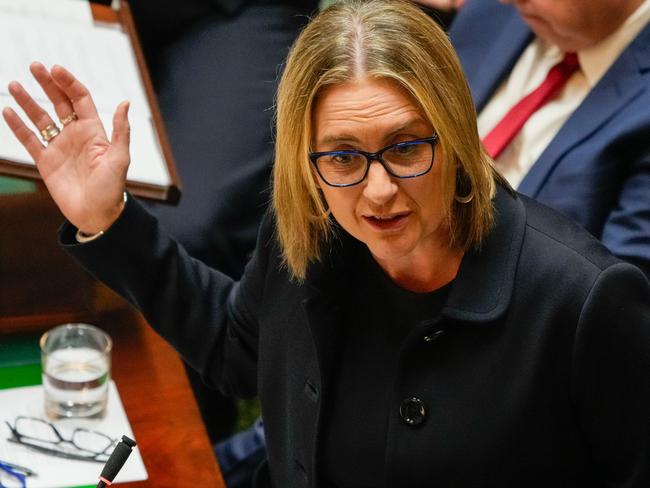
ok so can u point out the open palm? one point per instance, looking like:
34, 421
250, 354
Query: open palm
84, 172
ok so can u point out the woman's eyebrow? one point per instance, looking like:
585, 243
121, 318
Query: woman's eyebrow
405, 127
338, 138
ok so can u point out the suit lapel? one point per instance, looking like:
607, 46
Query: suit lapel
499, 60
620, 85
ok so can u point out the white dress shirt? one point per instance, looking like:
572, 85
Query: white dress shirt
530, 71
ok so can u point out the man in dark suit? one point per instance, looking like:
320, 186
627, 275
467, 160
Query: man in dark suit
215, 66
586, 151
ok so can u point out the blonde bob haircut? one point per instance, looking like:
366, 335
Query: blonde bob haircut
386, 39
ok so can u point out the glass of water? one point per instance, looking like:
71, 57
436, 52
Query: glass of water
76, 364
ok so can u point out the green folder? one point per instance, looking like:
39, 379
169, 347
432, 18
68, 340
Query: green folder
20, 361
15, 185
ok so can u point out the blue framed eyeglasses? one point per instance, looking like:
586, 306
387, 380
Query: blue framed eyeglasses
12, 475
408, 159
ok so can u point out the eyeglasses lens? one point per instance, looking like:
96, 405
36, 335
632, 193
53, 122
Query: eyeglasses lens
94, 442
342, 168
36, 429
409, 159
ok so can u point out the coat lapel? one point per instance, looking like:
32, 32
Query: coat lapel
618, 88
325, 301
324, 312
324, 317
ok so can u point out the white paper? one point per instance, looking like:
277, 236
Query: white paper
10, 148
145, 165
55, 472
101, 58
77, 11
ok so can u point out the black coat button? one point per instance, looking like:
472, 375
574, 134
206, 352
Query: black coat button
412, 411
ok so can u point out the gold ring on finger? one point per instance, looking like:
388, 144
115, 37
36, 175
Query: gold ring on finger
50, 132
69, 118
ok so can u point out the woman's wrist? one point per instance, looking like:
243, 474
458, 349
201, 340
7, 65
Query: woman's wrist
82, 236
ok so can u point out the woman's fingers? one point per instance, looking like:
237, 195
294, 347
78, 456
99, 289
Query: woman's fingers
120, 139
75, 91
26, 137
39, 117
121, 130
61, 102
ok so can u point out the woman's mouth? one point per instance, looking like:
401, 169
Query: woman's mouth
387, 222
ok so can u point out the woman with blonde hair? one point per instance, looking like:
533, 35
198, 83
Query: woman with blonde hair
407, 319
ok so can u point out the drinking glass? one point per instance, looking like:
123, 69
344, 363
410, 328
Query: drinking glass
76, 364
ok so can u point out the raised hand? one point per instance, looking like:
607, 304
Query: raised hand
84, 172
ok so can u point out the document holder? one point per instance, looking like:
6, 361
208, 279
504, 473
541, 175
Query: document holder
103, 51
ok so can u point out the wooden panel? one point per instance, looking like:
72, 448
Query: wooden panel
40, 285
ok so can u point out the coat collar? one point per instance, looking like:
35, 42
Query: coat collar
481, 291
484, 285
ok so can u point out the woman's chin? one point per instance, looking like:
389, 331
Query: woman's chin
389, 252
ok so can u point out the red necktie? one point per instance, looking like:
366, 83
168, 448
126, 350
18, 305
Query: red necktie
510, 125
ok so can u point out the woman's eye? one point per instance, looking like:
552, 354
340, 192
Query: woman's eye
342, 159
404, 150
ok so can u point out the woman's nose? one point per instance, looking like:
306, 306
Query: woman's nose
380, 187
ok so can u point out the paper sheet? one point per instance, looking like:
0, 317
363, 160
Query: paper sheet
55, 472
101, 58
77, 11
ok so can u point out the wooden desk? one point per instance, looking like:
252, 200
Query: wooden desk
42, 287
155, 393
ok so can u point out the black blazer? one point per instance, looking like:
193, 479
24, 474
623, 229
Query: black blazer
535, 375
